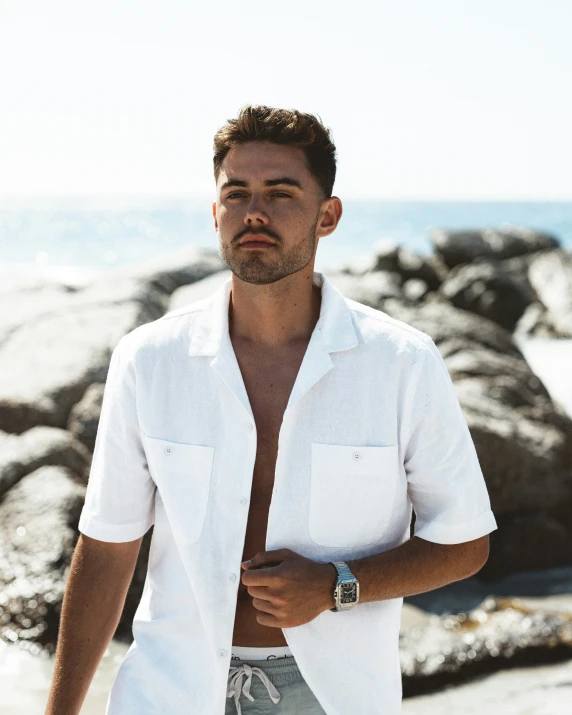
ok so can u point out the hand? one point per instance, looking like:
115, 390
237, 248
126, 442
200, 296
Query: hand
288, 589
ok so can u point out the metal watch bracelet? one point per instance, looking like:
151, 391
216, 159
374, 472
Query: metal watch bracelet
344, 576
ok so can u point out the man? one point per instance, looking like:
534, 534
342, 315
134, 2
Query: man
277, 435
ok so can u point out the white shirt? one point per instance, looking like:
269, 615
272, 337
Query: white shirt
373, 426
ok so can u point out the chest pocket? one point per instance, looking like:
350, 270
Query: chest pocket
182, 473
351, 493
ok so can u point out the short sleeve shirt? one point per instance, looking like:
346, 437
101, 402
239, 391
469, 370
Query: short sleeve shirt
373, 429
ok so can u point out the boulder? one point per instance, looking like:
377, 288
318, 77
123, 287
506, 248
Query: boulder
39, 517
38, 520
198, 291
48, 362
487, 288
466, 245
390, 257
370, 289
38, 447
522, 438
499, 633
84, 415
535, 322
551, 276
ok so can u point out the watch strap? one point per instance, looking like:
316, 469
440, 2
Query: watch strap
344, 573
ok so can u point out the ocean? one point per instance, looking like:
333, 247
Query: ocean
77, 238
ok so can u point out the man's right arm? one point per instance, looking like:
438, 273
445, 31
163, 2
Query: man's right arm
96, 589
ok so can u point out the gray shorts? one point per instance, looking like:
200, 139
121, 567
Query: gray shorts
269, 687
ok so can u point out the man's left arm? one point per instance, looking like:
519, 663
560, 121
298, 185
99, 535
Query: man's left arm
290, 589
416, 566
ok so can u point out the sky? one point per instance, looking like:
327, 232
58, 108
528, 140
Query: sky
426, 99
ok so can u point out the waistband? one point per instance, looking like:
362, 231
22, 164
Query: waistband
248, 653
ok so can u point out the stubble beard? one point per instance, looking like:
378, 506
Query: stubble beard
253, 267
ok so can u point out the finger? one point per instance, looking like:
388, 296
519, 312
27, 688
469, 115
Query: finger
266, 619
262, 605
260, 592
268, 557
263, 576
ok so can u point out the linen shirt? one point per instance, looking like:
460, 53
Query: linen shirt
372, 429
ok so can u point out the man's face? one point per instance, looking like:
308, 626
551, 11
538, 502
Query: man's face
266, 190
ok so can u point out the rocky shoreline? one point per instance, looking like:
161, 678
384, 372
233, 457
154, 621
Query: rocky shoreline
476, 295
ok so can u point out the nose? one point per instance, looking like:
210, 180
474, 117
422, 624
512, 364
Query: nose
255, 213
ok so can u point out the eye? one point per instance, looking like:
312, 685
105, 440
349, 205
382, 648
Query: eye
234, 195
281, 194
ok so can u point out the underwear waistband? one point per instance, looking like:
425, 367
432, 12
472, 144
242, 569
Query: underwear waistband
248, 653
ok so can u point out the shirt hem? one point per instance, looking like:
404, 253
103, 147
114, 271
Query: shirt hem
103, 531
458, 533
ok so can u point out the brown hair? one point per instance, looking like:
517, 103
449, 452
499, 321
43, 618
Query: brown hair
256, 122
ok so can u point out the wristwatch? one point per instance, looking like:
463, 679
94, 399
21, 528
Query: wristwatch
346, 592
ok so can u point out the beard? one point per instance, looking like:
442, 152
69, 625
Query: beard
271, 264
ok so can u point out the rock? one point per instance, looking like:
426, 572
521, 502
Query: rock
84, 415
415, 289
535, 322
47, 363
526, 538
169, 271
39, 517
358, 266
452, 327
464, 246
534, 690
370, 289
38, 521
551, 276
522, 439
411, 265
486, 288
498, 633
25, 298
38, 447
393, 258
386, 255
399, 262
198, 290
438, 265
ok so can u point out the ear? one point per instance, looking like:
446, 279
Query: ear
331, 213
214, 216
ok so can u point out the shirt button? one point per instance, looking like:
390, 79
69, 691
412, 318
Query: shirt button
356, 456
232, 577
167, 450
222, 653
250, 426
243, 500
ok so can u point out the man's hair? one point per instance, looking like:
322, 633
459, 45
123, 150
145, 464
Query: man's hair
290, 127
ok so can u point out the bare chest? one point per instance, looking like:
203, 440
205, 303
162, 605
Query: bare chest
268, 381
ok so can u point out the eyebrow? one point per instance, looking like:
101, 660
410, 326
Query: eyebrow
270, 182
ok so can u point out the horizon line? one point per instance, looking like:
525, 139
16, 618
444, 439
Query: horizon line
100, 198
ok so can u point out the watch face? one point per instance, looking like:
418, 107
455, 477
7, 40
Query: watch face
348, 592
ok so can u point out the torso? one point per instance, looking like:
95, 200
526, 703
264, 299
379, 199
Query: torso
268, 379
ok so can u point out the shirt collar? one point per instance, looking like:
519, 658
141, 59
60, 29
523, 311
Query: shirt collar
334, 324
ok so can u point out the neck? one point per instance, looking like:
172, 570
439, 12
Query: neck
276, 314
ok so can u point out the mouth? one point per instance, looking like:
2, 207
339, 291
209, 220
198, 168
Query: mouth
256, 241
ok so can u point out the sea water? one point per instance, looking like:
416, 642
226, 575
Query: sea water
80, 237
